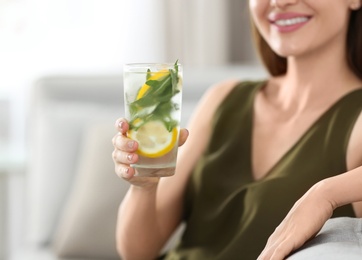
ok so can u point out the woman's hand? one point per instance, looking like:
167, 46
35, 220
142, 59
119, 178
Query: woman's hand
124, 154
303, 222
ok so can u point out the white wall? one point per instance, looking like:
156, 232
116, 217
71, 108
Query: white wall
39, 37
195, 32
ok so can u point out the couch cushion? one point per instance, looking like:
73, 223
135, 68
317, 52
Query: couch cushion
62, 107
339, 239
88, 222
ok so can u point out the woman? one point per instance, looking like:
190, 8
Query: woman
256, 147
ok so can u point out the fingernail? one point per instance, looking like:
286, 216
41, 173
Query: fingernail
130, 144
126, 172
129, 157
120, 124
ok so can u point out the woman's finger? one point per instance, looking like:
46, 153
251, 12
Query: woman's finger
122, 125
123, 143
124, 157
272, 243
124, 171
281, 250
184, 133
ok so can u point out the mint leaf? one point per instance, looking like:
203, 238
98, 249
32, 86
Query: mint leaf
156, 103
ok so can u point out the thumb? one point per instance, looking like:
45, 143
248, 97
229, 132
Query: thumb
184, 134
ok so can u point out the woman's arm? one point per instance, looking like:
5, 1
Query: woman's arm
152, 208
309, 213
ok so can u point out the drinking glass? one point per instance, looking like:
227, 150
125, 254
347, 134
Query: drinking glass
153, 98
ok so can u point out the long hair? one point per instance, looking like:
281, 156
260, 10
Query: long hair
277, 65
354, 42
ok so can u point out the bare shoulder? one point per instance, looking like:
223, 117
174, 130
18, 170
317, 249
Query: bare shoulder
200, 122
354, 154
209, 102
216, 93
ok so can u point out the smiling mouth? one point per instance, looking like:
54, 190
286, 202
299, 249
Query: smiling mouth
291, 21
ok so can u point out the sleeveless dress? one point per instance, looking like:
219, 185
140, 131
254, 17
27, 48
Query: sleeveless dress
228, 214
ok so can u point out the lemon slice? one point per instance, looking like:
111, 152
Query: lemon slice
153, 139
154, 76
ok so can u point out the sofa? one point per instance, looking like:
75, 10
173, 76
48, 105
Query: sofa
72, 194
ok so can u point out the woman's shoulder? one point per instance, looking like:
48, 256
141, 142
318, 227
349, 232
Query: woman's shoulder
354, 155
219, 90
222, 89
217, 95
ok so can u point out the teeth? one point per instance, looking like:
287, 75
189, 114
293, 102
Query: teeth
292, 21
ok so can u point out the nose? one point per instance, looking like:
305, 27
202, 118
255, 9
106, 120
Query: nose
282, 3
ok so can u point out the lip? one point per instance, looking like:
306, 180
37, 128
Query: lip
275, 17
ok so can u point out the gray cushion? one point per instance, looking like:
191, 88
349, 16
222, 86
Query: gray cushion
87, 225
339, 239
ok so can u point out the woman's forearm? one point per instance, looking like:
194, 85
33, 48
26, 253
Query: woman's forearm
345, 188
138, 232
310, 212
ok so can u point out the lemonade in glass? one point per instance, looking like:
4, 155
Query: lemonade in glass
153, 96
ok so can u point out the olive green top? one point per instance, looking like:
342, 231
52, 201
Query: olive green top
229, 215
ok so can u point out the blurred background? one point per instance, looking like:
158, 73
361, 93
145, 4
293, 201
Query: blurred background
58, 54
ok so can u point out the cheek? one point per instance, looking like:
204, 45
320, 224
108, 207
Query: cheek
258, 12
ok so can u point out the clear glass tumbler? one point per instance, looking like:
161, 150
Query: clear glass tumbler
153, 98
